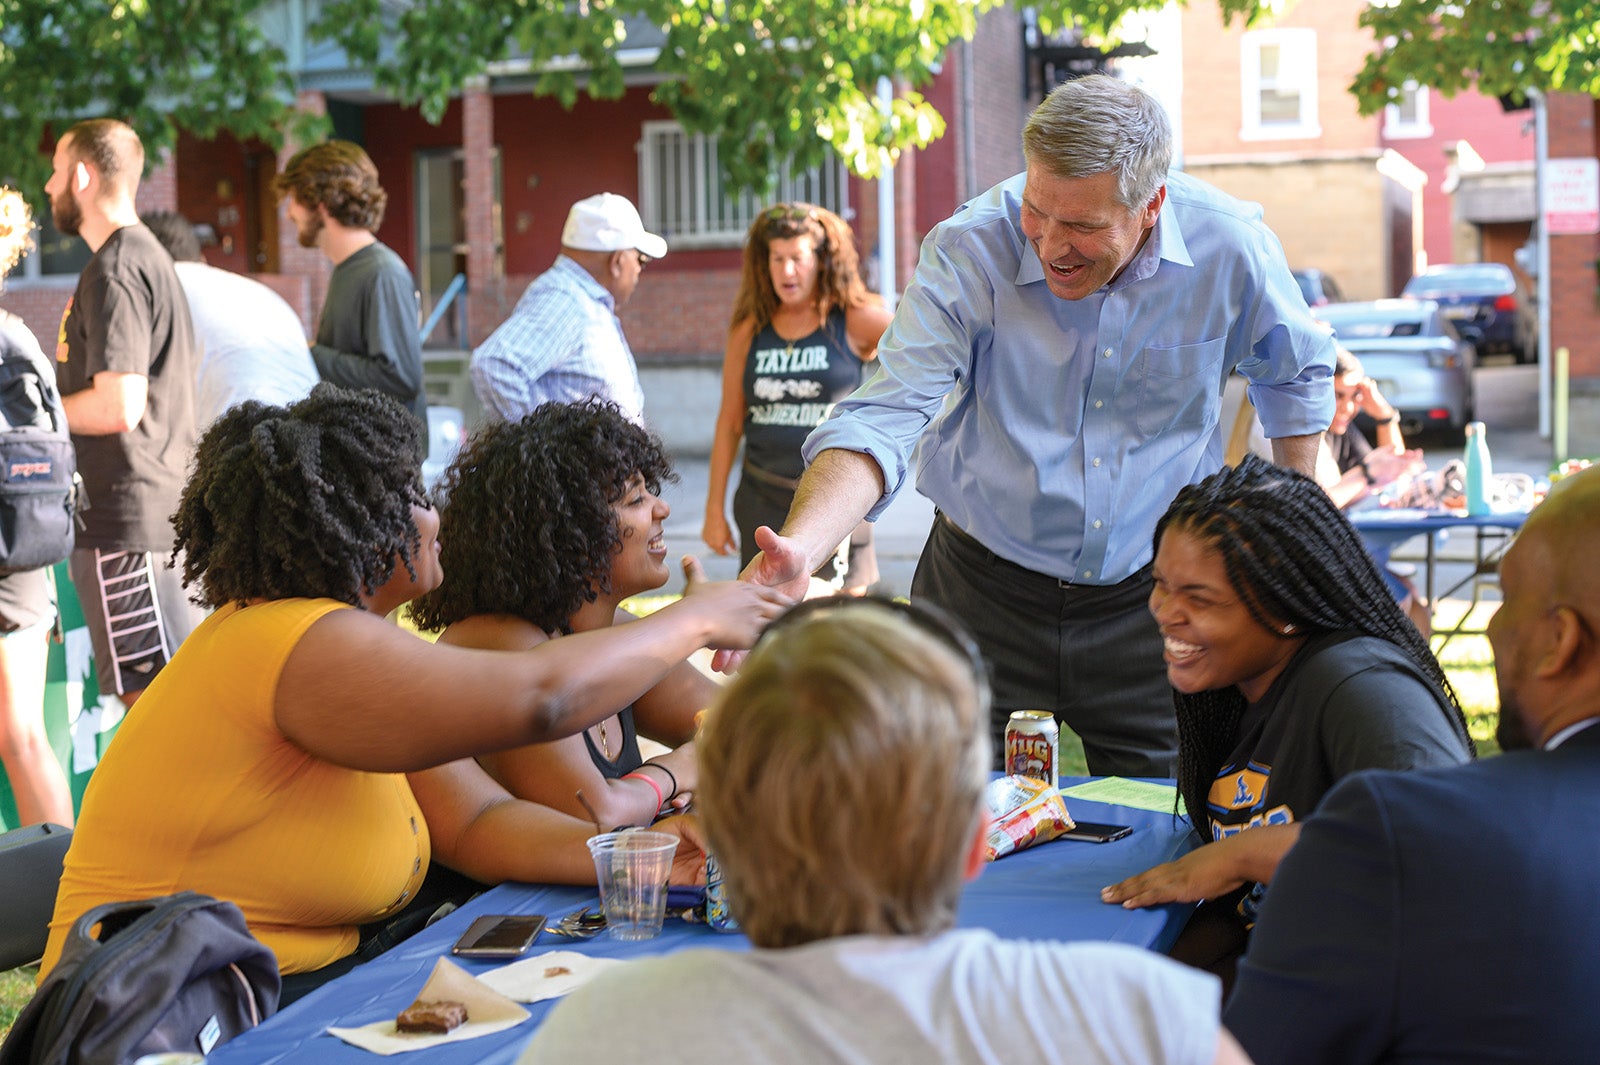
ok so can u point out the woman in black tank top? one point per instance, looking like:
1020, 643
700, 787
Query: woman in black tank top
804, 328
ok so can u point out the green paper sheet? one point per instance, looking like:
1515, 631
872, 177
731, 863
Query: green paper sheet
1120, 791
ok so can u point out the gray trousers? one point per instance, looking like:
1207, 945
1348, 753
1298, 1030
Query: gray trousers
1090, 654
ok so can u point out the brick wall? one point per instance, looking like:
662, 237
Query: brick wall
39, 304
1213, 80
293, 260
158, 190
1574, 308
671, 316
999, 109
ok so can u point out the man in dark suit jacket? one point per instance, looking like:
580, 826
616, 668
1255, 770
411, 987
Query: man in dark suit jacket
1453, 915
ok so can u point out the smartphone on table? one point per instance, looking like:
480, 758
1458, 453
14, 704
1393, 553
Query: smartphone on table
1094, 832
502, 935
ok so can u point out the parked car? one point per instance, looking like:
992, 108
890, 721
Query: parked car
1486, 302
1318, 288
1421, 363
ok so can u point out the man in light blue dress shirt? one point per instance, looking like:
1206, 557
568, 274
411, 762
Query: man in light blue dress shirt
1057, 363
563, 342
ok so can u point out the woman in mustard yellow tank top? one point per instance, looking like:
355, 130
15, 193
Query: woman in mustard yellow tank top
267, 762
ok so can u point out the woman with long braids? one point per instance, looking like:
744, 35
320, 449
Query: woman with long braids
804, 328
549, 523
267, 764
1292, 667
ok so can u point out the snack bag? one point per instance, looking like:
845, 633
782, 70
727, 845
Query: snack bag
1024, 812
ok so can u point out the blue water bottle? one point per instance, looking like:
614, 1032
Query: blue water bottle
1480, 474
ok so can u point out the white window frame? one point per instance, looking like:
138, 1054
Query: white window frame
1297, 70
1421, 125
682, 189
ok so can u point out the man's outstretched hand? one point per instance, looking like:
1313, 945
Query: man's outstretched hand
735, 611
780, 565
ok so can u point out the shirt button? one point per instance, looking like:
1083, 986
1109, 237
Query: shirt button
1097, 462
1106, 353
1097, 523
1088, 573
1099, 403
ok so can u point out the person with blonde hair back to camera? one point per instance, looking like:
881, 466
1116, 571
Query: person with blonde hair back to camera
841, 789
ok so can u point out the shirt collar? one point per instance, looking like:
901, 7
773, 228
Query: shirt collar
1570, 731
577, 275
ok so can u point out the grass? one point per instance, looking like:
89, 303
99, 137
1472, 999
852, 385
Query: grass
1467, 660
16, 987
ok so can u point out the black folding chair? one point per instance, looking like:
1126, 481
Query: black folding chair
30, 871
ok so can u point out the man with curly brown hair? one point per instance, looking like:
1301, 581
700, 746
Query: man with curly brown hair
367, 336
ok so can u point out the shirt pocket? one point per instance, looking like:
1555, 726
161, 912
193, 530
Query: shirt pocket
1177, 386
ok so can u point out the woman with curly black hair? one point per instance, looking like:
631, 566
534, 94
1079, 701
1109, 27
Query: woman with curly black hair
548, 524
1292, 667
268, 762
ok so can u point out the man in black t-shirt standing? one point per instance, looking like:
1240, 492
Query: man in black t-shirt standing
126, 362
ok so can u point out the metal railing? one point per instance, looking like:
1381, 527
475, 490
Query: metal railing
456, 287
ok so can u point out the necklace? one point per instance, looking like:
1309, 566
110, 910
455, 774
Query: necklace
605, 743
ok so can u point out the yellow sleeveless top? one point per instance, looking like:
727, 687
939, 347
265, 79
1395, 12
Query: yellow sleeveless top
199, 791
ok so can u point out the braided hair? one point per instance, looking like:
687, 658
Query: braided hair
309, 500
527, 527
1292, 556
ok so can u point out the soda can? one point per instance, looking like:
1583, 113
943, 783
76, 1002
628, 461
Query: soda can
718, 915
1033, 746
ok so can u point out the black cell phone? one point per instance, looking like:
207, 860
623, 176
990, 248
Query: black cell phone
499, 935
1097, 833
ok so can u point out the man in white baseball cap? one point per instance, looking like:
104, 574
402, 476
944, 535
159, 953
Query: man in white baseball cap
563, 341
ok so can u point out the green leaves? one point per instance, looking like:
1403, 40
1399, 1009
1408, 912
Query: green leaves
1498, 46
203, 65
773, 79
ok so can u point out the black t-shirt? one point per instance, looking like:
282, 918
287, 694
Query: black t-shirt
1350, 448
1343, 704
129, 315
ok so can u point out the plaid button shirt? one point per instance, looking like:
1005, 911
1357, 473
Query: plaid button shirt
562, 343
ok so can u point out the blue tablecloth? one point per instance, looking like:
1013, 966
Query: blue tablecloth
1047, 892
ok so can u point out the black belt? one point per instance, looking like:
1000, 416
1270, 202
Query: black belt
755, 472
973, 542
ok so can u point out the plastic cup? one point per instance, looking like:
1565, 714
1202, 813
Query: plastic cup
631, 868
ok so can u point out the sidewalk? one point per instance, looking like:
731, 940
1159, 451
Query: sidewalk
1507, 404
899, 533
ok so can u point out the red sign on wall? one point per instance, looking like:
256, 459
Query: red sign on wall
1571, 196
